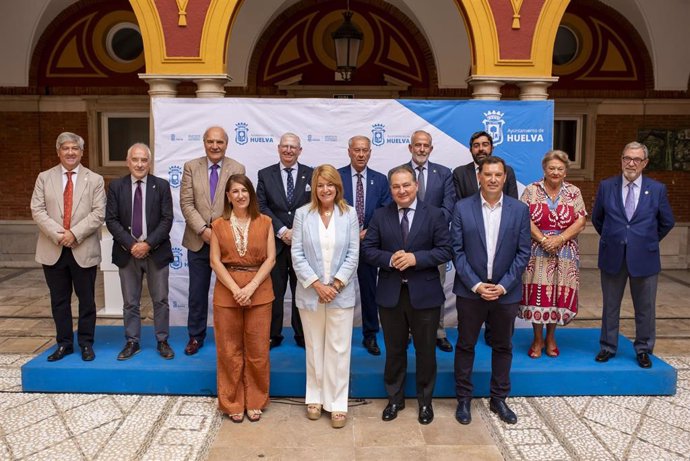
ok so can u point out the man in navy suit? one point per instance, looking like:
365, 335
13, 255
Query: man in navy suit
491, 244
139, 215
365, 190
631, 214
282, 188
466, 182
435, 189
407, 240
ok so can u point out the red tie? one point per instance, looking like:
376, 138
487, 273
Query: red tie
67, 200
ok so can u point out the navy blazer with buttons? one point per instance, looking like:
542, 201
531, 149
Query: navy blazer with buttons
636, 240
470, 249
377, 191
428, 239
270, 193
159, 218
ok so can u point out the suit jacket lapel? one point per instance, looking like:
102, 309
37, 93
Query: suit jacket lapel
79, 186
419, 220
618, 194
277, 174
300, 184
471, 176
506, 213
313, 222
55, 180
479, 219
202, 177
150, 191
348, 193
394, 222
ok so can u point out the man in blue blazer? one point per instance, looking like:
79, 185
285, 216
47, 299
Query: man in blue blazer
407, 240
435, 189
281, 189
139, 215
491, 244
365, 190
631, 214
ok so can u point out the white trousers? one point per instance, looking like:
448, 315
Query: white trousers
328, 341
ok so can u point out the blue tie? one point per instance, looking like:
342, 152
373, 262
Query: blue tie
290, 186
630, 201
405, 225
213, 181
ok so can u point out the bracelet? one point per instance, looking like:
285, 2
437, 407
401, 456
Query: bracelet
562, 239
542, 239
332, 285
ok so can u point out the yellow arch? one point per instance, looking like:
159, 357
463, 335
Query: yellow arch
483, 38
211, 60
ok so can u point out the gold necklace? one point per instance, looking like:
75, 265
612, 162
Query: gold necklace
241, 234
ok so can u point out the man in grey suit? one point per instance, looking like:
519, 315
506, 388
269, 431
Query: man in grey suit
68, 206
201, 201
281, 189
139, 215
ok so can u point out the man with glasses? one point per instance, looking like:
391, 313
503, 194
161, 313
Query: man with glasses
631, 214
365, 190
282, 188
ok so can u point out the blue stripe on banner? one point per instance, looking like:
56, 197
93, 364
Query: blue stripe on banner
522, 130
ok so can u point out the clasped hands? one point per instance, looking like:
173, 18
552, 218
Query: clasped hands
140, 250
327, 293
402, 260
67, 239
244, 295
489, 291
552, 243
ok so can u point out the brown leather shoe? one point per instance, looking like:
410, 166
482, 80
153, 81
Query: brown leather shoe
193, 346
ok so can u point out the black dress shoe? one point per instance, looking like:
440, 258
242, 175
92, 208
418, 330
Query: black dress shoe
299, 340
391, 411
130, 350
444, 344
643, 360
426, 414
371, 346
275, 342
165, 350
193, 346
604, 356
87, 353
464, 412
500, 407
60, 353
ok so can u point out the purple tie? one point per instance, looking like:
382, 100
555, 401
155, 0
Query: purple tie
213, 181
137, 227
630, 201
359, 201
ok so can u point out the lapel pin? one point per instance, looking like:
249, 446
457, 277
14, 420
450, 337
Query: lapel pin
154, 186
646, 192
434, 170
372, 182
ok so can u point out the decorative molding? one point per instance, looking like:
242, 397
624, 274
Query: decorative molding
516, 4
182, 12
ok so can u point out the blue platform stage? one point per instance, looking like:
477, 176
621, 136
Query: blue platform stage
573, 373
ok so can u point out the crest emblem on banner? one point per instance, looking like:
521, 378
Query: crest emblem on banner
241, 133
177, 263
493, 124
377, 131
175, 176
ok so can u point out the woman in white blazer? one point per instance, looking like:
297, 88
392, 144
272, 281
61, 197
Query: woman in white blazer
325, 253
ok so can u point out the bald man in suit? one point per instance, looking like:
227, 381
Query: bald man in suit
201, 201
68, 206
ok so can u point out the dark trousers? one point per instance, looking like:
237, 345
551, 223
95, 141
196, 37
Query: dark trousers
60, 278
281, 273
199, 285
643, 293
501, 319
366, 274
397, 322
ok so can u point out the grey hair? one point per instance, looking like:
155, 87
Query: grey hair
634, 146
358, 138
140, 145
431, 141
69, 137
291, 135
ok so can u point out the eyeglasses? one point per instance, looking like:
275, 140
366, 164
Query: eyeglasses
633, 160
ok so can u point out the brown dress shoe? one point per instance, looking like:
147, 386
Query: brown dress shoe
193, 346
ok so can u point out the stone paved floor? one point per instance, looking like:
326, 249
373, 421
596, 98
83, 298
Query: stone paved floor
112, 427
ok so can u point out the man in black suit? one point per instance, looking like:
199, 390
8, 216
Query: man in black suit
282, 188
139, 215
466, 182
407, 240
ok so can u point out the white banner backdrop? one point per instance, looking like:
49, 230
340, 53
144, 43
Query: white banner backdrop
521, 132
